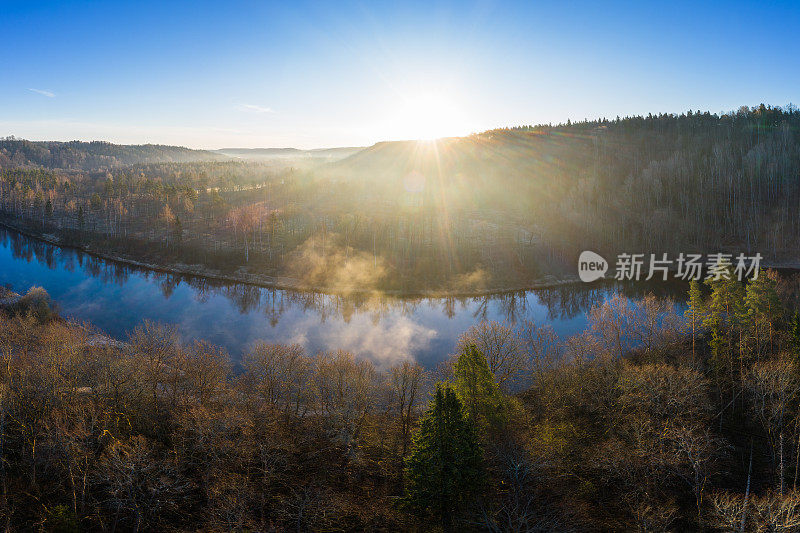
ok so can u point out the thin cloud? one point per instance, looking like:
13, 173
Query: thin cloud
49, 94
256, 108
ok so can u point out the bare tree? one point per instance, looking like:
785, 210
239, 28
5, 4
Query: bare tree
542, 347
205, 369
612, 321
773, 386
280, 375
345, 389
405, 380
500, 345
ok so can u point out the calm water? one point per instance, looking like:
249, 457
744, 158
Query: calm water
116, 298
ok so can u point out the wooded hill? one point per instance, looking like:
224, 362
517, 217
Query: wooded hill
95, 155
259, 154
666, 182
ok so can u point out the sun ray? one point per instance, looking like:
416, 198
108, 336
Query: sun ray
429, 114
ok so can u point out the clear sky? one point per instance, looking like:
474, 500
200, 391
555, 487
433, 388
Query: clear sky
260, 74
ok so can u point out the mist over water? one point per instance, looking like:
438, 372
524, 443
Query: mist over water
116, 298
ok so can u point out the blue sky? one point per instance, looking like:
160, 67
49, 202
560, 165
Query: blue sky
257, 74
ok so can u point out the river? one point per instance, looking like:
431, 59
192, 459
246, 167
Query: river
116, 298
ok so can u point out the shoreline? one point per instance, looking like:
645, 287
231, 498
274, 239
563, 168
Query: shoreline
95, 337
283, 283
293, 284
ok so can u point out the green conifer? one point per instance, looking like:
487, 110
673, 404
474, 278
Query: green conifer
445, 468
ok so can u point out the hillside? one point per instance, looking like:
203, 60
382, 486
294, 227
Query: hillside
662, 182
322, 155
95, 155
489, 156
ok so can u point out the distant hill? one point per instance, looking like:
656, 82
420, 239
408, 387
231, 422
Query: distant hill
492, 157
95, 155
666, 183
327, 154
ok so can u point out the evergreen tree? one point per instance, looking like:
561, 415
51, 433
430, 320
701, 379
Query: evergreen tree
794, 331
95, 201
723, 321
695, 313
762, 310
477, 390
445, 469
177, 230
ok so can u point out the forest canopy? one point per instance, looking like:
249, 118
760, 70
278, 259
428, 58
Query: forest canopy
95, 155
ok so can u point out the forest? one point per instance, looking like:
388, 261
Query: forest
502, 209
87, 156
649, 420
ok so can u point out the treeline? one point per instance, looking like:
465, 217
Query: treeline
95, 155
699, 180
649, 421
195, 212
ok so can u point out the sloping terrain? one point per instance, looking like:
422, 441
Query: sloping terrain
95, 155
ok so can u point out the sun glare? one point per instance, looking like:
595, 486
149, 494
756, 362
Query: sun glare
429, 115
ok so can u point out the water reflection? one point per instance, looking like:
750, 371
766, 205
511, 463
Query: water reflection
116, 297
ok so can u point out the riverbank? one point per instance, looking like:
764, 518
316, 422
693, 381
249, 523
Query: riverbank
279, 282
8, 297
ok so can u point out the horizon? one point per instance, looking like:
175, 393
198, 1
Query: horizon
565, 123
254, 75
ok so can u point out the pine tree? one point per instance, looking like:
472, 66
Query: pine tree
762, 310
95, 201
723, 320
445, 469
177, 230
795, 334
695, 313
477, 390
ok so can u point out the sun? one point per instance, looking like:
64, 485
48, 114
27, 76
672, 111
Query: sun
428, 115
